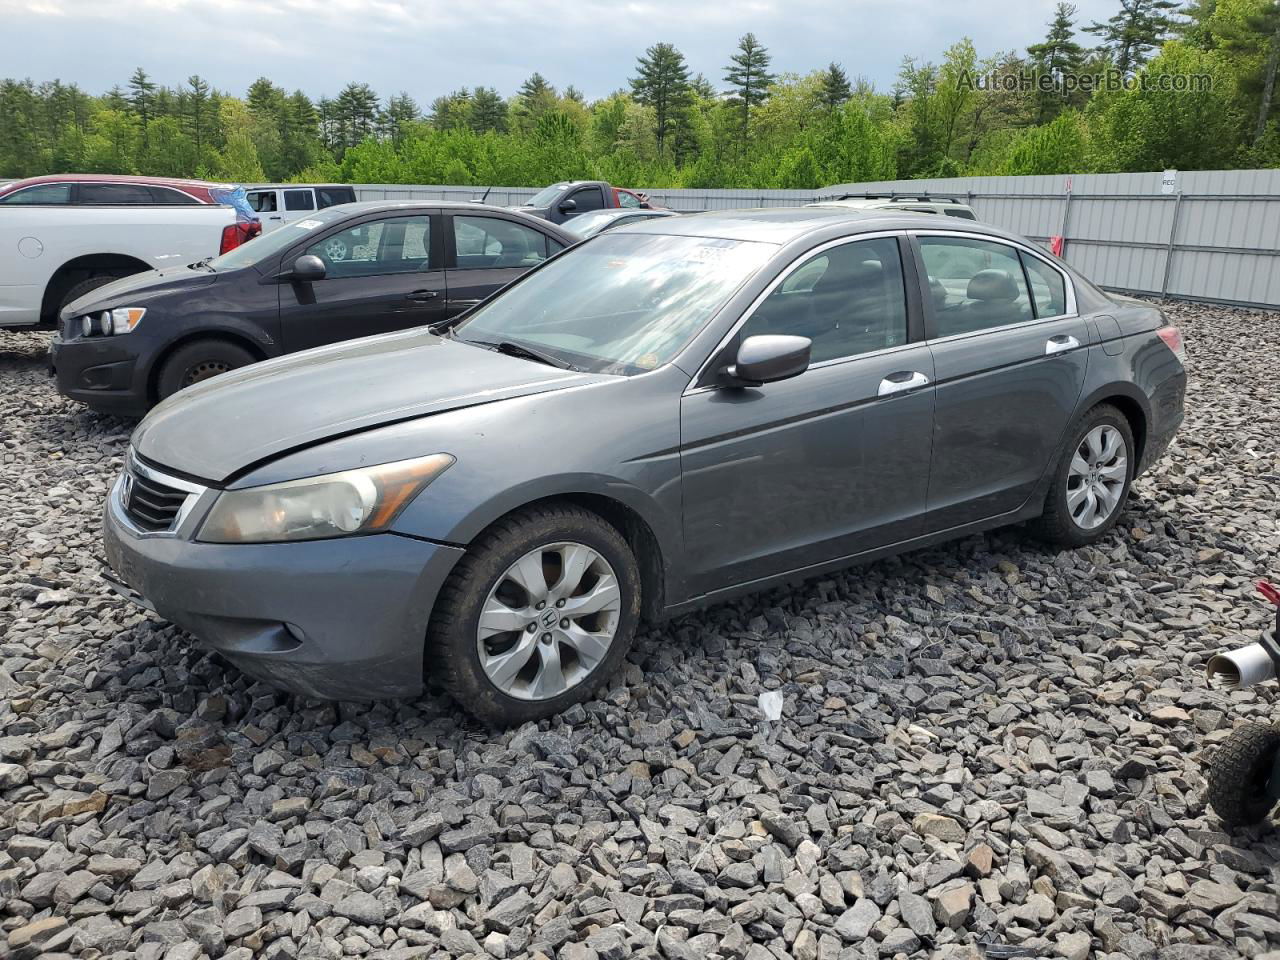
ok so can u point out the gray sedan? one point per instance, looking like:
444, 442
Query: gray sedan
586, 225
661, 417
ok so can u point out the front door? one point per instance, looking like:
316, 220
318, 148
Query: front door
1011, 354
381, 274
828, 464
268, 206
488, 252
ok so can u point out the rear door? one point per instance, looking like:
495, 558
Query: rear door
1010, 352
485, 252
298, 203
382, 274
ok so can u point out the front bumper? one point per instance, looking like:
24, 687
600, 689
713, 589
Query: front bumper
103, 372
341, 619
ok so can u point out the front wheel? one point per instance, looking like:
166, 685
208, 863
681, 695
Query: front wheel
197, 361
1091, 481
537, 615
1238, 774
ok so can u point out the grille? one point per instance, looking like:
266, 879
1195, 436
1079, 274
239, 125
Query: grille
151, 505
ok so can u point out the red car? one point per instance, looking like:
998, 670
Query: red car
101, 188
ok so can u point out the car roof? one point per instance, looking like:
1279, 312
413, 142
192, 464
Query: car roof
784, 224
885, 203
110, 178
453, 206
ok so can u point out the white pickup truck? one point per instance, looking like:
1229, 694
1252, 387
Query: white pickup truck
51, 255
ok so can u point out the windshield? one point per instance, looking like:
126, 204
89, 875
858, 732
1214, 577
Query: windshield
544, 196
270, 244
621, 303
589, 224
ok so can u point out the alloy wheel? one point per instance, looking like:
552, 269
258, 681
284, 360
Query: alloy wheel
549, 621
1096, 478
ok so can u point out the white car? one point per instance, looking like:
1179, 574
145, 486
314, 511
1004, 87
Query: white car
278, 204
942, 206
52, 255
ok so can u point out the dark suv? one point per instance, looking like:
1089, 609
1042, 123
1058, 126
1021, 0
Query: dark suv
345, 272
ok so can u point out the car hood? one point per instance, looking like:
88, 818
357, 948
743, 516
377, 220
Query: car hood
138, 289
217, 429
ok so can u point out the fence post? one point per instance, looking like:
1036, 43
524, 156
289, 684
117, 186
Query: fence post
1066, 221
1169, 248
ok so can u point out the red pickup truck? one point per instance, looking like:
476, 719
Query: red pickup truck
561, 201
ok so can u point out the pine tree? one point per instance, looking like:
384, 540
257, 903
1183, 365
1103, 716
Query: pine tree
357, 113
1139, 27
573, 93
402, 110
662, 82
1058, 55
748, 77
702, 88
835, 86
141, 93
200, 109
488, 111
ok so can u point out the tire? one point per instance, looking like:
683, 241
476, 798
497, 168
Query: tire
1067, 521
199, 360
84, 287
1238, 772
483, 578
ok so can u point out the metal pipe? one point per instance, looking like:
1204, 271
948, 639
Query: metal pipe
1240, 668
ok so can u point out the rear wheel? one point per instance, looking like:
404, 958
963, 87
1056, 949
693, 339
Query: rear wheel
1238, 775
536, 616
193, 362
1091, 481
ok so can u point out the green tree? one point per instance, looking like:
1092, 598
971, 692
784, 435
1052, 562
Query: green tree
401, 112
662, 82
141, 95
1056, 56
488, 110
748, 77
835, 86
1139, 27
355, 115
199, 116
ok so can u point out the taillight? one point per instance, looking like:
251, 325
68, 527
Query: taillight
237, 233
1172, 338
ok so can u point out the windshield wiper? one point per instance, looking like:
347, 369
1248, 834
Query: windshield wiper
512, 349
200, 263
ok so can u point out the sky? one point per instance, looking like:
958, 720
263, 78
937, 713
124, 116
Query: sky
429, 47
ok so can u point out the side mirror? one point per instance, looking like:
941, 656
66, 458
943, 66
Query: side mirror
568, 206
307, 268
769, 358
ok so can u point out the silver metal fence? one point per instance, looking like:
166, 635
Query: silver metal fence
1201, 235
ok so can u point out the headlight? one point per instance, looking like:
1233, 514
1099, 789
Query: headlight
109, 322
319, 508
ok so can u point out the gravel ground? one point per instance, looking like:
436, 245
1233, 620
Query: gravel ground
986, 749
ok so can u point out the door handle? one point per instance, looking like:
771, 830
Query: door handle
422, 296
275, 218
1060, 344
901, 382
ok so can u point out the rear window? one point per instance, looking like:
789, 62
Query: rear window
332, 196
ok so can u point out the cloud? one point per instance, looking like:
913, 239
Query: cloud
430, 47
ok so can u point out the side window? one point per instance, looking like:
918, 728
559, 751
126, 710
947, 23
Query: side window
1048, 289
41, 193
113, 193
394, 245
489, 242
588, 198
848, 300
262, 201
171, 196
298, 200
332, 196
975, 284
626, 199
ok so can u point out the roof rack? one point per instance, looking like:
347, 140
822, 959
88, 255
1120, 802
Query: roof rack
905, 197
